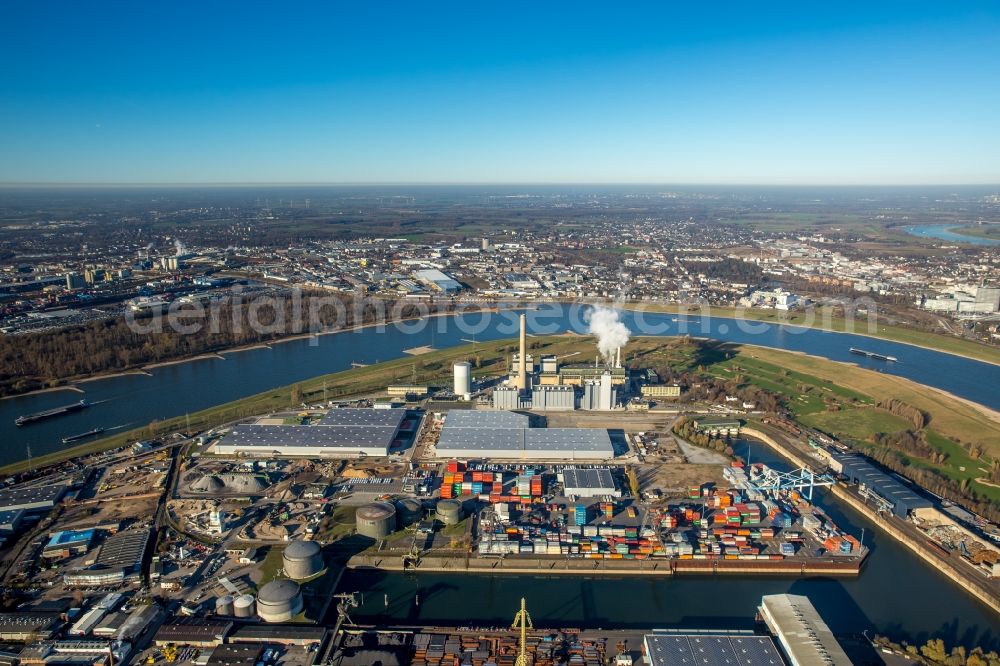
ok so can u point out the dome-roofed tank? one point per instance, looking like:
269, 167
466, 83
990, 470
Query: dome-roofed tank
449, 511
410, 510
302, 559
243, 606
279, 601
224, 605
376, 520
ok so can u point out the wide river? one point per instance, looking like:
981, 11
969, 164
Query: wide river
945, 232
130, 401
897, 595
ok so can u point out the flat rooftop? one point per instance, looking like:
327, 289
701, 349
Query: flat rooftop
350, 428
588, 478
33, 497
709, 649
464, 418
506, 434
803, 634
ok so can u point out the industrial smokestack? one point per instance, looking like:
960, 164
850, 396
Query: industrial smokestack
618, 359
522, 372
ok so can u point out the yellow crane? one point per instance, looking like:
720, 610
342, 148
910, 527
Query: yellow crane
522, 621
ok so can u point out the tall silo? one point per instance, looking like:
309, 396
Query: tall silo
463, 378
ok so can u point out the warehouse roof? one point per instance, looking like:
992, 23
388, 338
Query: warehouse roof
363, 417
564, 440
184, 630
691, 650
31, 497
125, 550
351, 428
310, 436
463, 418
860, 470
587, 478
805, 636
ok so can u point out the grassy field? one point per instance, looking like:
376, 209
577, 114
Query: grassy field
854, 390
857, 423
824, 320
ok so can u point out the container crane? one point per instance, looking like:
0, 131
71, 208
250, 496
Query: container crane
522, 621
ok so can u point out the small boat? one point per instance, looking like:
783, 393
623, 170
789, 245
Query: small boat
874, 355
82, 435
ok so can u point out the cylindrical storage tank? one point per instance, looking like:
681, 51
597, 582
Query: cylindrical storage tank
279, 601
463, 378
410, 511
224, 605
449, 511
243, 606
376, 520
302, 559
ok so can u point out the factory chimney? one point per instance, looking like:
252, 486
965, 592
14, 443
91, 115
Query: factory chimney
618, 360
522, 372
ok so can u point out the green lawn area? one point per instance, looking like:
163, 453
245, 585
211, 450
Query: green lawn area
271, 565
857, 423
804, 394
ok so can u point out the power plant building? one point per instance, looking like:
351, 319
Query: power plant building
505, 435
600, 394
553, 398
341, 433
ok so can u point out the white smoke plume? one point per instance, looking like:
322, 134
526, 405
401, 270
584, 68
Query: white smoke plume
611, 333
181, 249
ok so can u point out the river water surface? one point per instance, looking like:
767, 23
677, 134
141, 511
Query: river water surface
131, 401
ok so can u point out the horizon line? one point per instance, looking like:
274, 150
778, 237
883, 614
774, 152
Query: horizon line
470, 183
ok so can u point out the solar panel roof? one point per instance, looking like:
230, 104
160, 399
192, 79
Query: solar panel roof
588, 478
312, 436
705, 650
363, 417
464, 418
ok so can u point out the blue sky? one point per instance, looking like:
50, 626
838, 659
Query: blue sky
500, 92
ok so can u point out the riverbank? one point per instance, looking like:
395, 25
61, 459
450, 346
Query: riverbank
923, 340
609, 567
889, 525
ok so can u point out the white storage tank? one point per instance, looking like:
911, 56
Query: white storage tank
463, 378
224, 605
243, 606
376, 520
302, 559
279, 601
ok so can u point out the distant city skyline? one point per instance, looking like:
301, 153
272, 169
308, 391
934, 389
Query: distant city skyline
782, 94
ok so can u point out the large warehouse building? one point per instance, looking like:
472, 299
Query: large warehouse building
507, 436
342, 433
859, 470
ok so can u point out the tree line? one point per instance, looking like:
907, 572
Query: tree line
50, 358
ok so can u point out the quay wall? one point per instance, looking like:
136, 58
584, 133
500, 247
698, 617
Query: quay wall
918, 545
